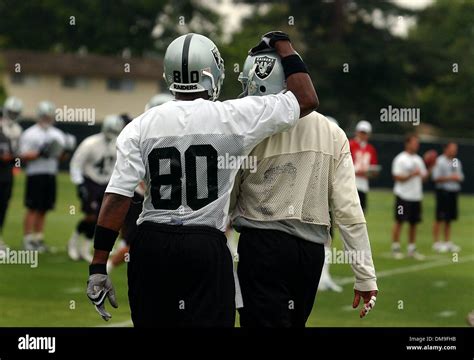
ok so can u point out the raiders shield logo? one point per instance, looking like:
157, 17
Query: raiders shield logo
265, 66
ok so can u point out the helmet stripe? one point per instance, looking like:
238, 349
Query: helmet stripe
184, 65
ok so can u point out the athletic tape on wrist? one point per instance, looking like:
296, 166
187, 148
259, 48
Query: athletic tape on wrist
293, 64
104, 238
97, 269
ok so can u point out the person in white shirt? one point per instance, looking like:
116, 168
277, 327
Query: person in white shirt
447, 175
409, 172
90, 169
10, 132
41, 146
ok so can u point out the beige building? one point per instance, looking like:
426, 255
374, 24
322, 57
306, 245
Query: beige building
80, 82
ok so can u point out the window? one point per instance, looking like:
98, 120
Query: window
74, 82
116, 84
17, 78
20, 79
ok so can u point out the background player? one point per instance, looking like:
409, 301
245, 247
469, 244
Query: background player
91, 168
10, 133
282, 212
365, 160
447, 175
41, 146
409, 172
180, 271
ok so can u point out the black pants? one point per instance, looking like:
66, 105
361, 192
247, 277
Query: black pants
279, 275
363, 199
5, 194
180, 276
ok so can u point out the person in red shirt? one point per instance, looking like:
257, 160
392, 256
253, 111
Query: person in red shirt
365, 160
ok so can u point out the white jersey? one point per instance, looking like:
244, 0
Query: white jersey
179, 149
94, 159
12, 131
404, 164
33, 139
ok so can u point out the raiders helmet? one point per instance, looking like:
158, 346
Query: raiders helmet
193, 64
46, 109
262, 75
158, 100
112, 126
12, 108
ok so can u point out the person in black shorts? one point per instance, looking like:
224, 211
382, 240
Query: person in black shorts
41, 147
447, 175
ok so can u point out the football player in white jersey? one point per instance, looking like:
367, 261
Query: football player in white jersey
180, 271
282, 212
41, 146
91, 167
10, 133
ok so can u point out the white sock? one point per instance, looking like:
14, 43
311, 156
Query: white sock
37, 237
395, 246
28, 237
411, 248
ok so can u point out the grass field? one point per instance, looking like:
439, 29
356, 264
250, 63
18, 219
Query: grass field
435, 292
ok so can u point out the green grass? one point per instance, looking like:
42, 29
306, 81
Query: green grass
53, 294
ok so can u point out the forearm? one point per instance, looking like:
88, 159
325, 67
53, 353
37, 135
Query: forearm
112, 215
29, 155
299, 83
356, 241
402, 178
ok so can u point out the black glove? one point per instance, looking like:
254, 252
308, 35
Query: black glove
82, 192
45, 151
268, 42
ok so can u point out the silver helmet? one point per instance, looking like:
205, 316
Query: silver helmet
112, 126
262, 75
193, 64
46, 113
158, 100
12, 108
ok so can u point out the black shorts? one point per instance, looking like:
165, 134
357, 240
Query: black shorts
129, 228
5, 195
95, 195
363, 199
446, 205
409, 211
40, 192
180, 276
279, 275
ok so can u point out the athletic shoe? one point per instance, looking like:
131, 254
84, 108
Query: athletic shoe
29, 244
416, 255
85, 250
451, 247
440, 247
330, 285
41, 247
73, 248
397, 254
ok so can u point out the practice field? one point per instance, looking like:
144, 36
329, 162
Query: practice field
435, 292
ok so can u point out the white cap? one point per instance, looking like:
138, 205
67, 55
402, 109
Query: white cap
364, 126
